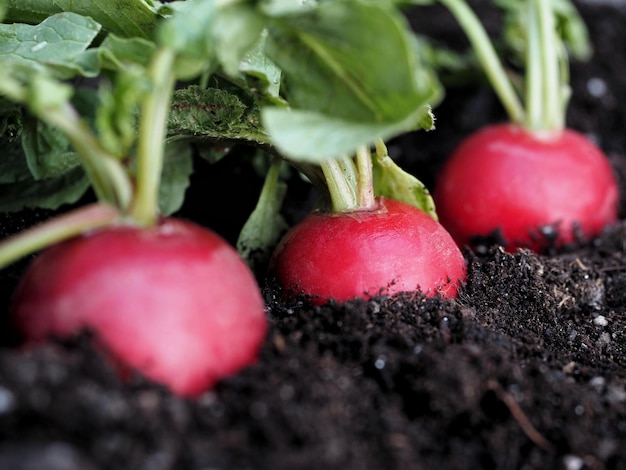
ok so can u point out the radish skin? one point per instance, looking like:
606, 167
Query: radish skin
519, 182
173, 301
387, 250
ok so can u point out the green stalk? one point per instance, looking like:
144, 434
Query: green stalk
152, 132
565, 90
553, 119
55, 230
365, 183
488, 58
534, 75
341, 184
106, 174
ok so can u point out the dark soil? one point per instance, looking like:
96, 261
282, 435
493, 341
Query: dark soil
526, 370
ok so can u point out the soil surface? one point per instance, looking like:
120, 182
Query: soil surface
525, 370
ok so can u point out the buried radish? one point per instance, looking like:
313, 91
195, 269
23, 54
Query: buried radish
367, 247
389, 248
532, 182
173, 301
376, 230
160, 296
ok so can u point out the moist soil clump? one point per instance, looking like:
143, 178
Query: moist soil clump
525, 370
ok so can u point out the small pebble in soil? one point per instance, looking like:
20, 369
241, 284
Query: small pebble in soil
7, 401
600, 320
596, 87
573, 462
598, 383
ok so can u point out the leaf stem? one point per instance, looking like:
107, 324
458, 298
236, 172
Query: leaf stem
534, 63
488, 58
152, 132
57, 229
341, 181
365, 177
106, 174
550, 64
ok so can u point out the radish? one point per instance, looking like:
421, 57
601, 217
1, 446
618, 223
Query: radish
390, 248
361, 80
173, 301
366, 246
531, 181
161, 296
505, 177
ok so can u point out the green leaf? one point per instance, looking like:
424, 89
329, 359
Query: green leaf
3, 9
117, 110
351, 74
260, 74
118, 53
427, 119
47, 151
311, 137
449, 65
393, 182
58, 43
213, 152
177, 168
235, 29
349, 60
285, 7
188, 33
50, 193
23, 83
570, 27
126, 18
213, 113
264, 227
48, 99
211, 35
13, 167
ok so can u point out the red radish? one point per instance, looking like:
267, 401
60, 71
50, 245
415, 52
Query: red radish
526, 184
533, 180
173, 301
162, 296
391, 248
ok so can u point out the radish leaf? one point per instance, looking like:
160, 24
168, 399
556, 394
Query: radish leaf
117, 53
393, 182
213, 113
58, 43
177, 168
13, 165
265, 226
124, 17
345, 87
49, 193
313, 137
47, 151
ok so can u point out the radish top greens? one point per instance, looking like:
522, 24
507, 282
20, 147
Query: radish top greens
314, 79
112, 100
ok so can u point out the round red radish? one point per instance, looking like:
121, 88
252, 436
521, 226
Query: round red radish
526, 184
174, 301
391, 249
